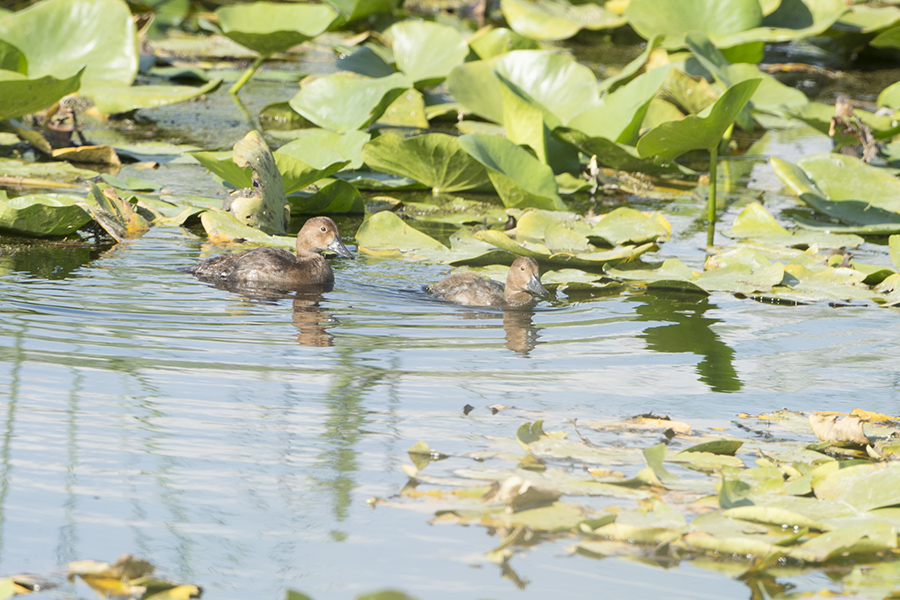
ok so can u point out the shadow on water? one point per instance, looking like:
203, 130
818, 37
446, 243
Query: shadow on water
52, 261
688, 330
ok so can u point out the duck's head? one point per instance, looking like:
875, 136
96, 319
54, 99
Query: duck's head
525, 276
320, 234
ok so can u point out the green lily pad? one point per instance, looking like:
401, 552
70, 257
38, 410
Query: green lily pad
267, 27
434, 159
42, 215
223, 228
386, 231
22, 96
345, 101
755, 223
715, 18
119, 99
499, 40
12, 59
370, 59
348, 145
868, 19
703, 131
351, 10
426, 52
61, 37
792, 20
612, 154
264, 206
557, 19
407, 110
337, 197
133, 184
864, 487
519, 178
618, 116
585, 260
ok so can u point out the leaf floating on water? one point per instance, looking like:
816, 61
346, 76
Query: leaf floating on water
116, 216
89, 155
840, 431
517, 494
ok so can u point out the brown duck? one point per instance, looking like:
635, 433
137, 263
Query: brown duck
275, 267
523, 280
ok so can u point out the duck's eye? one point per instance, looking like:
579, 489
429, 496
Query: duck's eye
323, 228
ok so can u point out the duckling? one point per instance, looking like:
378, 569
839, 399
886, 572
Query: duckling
523, 280
275, 267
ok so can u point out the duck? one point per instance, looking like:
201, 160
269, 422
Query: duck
278, 268
469, 289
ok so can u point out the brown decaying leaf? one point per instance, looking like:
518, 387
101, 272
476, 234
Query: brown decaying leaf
836, 430
95, 155
519, 494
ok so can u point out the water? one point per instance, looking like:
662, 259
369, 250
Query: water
235, 441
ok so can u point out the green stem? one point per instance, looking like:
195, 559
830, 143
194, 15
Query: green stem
246, 75
711, 201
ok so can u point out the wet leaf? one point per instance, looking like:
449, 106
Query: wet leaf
742, 546
857, 538
89, 155
348, 145
12, 59
267, 27
594, 260
386, 231
519, 178
351, 10
426, 52
345, 101
337, 197
755, 223
703, 131
22, 95
841, 431
265, 205
611, 154
223, 228
407, 110
843, 187
557, 19
116, 216
60, 37
864, 486
121, 99
716, 447
434, 159
42, 214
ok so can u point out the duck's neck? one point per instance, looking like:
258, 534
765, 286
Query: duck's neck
516, 297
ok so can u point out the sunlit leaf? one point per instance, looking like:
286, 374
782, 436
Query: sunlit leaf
426, 52
556, 19
119, 99
22, 96
267, 27
346, 101
755, 223
434, 159
498, 41
263, 206
716, 18
864, 487
223, 228
337, 197
42, 214
62, 37
386, 231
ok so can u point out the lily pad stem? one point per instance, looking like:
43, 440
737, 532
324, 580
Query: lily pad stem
246, 75
711, 201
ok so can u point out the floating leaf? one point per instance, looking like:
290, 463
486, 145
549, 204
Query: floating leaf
116, 216
755, 223
61, 37
715, 18
337, 197
864, 487
557, 19
267, 27
426, 52
519, 178
407, 110
22, 96
386, 231
119, 99
346, 101
223, 228
42, 214
499, 40
835, 430
434, 159
586, 260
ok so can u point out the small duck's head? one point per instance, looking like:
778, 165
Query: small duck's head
320, 234
525, 276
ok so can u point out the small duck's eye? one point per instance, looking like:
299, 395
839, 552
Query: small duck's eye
323, 228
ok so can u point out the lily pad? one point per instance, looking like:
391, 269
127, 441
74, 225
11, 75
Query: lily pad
843, 187
61, 37
585, 260
267, 27
705, 130
434, 159
557, 19
716, 18
337, 197
347, 145
499, 40
386, 231
265, 205
519, 178
22, 96
755, 223
345, 101
42, 214
223, 228
351, 10
426, 52
120, 99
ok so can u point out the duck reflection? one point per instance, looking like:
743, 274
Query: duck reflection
688, 330
311, 321
521, 334
46, 260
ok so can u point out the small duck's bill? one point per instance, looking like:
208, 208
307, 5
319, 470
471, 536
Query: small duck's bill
534, 286
338, 247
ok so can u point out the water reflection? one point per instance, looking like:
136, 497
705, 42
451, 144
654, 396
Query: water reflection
688, 330
46, 260
311, 321
521, 334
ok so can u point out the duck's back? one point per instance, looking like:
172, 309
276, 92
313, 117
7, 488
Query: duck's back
265, 267
468, 289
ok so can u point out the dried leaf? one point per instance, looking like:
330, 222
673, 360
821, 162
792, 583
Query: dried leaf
840, 431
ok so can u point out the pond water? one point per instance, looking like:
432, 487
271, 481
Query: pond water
235, 441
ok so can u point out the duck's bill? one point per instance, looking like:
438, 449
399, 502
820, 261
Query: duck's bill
534, 286
338, 247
